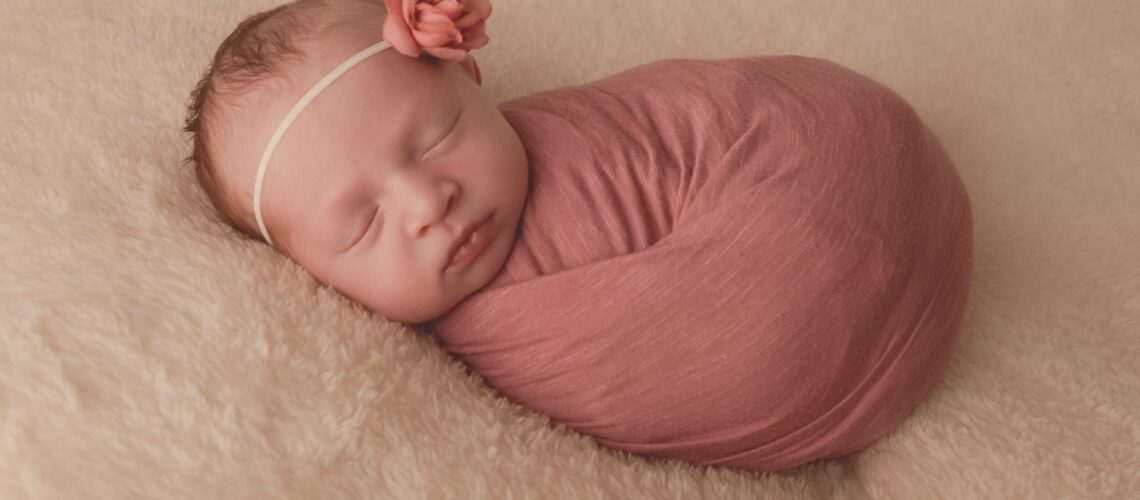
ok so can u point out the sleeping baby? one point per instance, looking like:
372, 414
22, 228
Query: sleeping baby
750, 262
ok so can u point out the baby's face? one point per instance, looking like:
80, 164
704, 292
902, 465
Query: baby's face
375, 182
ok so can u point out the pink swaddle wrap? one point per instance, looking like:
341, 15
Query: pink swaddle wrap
751, 262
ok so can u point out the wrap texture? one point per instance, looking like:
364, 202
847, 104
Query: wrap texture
751, 262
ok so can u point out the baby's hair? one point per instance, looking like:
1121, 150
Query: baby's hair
254, 54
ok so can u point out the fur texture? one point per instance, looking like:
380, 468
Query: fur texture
149, 353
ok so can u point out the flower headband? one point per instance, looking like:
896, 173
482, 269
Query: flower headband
446, 29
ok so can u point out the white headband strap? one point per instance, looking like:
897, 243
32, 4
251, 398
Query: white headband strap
300, 106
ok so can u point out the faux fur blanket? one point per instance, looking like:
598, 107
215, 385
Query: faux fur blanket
149, 353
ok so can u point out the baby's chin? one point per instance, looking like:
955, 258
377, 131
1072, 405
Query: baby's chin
486, 267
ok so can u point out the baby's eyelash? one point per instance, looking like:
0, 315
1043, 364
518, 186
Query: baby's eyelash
446, 133
440, 139
368, 226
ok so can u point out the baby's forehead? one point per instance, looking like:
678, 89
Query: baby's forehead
386, 94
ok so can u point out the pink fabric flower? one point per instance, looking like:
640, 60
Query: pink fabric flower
446, 29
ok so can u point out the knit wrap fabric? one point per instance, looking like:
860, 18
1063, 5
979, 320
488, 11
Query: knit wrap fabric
749, 262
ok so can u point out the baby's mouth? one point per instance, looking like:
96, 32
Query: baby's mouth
473, 245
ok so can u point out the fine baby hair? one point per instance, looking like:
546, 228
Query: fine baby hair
259, 49
262, 49
335, 127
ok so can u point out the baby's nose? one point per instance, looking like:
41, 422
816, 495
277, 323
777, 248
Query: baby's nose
421, 198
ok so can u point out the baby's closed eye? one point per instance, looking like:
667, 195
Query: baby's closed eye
368, 223
442, 136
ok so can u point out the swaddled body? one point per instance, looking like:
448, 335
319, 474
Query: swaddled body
744, 262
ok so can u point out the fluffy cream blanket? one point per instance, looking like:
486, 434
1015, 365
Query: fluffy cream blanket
145, 352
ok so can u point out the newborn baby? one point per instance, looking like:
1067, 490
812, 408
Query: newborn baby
403, 173
751, 262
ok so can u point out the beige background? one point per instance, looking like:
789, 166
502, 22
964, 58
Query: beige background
147, 353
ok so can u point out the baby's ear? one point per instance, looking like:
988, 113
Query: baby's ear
472, 69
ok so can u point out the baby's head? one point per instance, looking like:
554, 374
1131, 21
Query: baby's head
376, 180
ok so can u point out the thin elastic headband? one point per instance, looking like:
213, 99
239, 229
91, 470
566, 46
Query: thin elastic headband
300, 106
